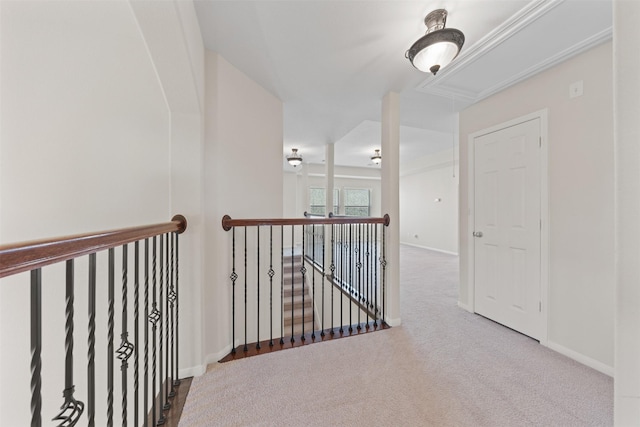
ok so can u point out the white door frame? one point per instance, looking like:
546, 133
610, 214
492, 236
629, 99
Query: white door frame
544, 213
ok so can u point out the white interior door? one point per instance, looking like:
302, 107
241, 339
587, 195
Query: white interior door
507, 229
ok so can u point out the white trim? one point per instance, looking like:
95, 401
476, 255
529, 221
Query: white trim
321, 175
429, 248
581, 358
394, 322
464, 307
194, 371
542, 115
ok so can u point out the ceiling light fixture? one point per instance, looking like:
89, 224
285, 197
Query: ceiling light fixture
294, 158
438, 47
376, 158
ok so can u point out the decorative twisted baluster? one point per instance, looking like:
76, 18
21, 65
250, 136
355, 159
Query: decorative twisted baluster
233, 277
172, 298
71, 409
324, 274
333, 272
91, 344
313, 282
136, 320
110, 338
281, 284
162, 419
358, 251
271, 274
126, 348
303, 271
176, 380
154, 316
375, 276
36, 347
146, 333
258, 287
167, 404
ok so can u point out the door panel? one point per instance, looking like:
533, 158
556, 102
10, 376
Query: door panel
507, 213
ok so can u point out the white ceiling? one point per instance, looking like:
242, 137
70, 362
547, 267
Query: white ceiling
332, 61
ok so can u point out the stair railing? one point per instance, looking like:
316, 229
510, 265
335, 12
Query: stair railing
315, 278
155, 327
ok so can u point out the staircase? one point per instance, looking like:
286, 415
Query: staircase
293, 299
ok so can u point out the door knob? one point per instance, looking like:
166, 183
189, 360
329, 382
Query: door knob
477, 234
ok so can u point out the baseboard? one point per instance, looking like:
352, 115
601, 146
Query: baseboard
394, 322
194, 371
429, 248
464, 307
578, 357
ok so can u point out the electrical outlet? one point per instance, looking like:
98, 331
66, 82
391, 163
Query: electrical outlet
575, 89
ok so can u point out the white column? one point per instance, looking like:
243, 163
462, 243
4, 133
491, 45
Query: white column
626, 66
329, 172
391, 200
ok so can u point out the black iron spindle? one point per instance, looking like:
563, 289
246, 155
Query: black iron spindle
303, 270
36, 347
333, 272
383, 263
350, 255
147, 319
176, 380
367, 270
258, 286
136, 331
281, 284
292, 283
342, 252
126, 348
375, 274
245, 290
233, 277
91, 344
271, 274
167, 404
153, 318
324, 274
161, 419
111, 298
71, 409
172, 298
361, 283
313, 283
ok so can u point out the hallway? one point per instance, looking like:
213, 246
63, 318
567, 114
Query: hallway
442, 367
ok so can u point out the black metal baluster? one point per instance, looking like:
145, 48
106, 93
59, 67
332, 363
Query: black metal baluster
160, 399
303, 270
233, 278
324, 274
313, 283
342, 251
281, 284
36, 347
258, 285
358, 250
136, 337
383, 263
167, 404
350, 265
110, 337
126, 348
71, 409
91, 344
245, 289
292, 282
375, 274
172, 298
367, 270
333, 272
153, 318
176, 381
271, 274
147, 319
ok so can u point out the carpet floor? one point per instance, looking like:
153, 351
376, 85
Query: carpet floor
442, 367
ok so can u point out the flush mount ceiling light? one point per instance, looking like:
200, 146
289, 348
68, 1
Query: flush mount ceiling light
376, 158
438, 47
294, 158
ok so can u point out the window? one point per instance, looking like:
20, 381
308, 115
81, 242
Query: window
317, 201
356, 201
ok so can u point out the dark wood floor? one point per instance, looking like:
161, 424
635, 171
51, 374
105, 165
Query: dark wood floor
172, 416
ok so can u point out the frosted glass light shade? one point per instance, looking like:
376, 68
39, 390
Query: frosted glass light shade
436, 49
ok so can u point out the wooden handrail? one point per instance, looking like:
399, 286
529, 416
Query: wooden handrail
26, 256
228, 223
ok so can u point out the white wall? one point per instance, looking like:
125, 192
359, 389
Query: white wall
243, 179
85, 145
627, 156
424, 221
581, 197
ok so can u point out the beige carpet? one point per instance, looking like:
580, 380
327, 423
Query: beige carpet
442, 367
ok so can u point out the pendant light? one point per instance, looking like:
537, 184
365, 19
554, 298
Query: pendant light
294, 158
438, 47
376, 158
